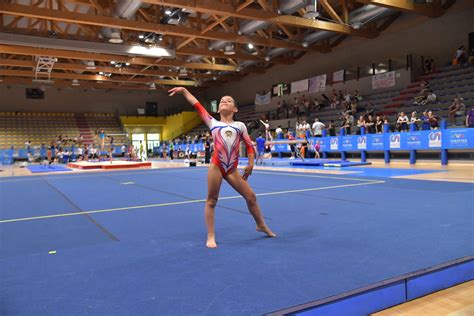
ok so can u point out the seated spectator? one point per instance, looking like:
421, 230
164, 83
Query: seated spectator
470, 118
370, 125
430, 98
434, 120
425, 86
354, 107
414, 120
378, 125
347, 124
357, 96
402, 122
360, 124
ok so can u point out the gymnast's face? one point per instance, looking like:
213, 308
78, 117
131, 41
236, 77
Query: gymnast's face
227, 105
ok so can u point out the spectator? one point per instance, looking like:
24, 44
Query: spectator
470, 118
402, 122
434, 120
332, 128
414, 120
347, 124
430, 98
318, 128
123, 150
428, 66
360, 124
370, 125
453, 110
279, 132
378, 125
425, 86
461, 58
425, 121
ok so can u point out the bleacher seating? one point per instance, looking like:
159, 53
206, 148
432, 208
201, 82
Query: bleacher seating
42, 127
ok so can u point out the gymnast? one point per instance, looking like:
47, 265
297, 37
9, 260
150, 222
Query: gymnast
227, 135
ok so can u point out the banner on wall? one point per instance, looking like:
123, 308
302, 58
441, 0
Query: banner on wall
317, 84
261, 99
338, 76
385, 80
298, 86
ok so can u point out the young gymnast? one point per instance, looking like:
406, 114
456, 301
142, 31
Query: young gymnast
227, 135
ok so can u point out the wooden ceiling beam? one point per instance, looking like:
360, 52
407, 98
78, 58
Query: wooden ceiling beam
104, 21
80, 67
72, 76
213, 7
30, 51
430, 10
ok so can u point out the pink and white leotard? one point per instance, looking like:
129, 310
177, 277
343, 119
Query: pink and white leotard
227, 139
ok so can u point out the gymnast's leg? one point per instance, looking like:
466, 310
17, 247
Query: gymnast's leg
243, 187
214, 181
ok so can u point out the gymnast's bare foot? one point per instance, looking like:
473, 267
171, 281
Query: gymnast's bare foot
266, 230
211, 242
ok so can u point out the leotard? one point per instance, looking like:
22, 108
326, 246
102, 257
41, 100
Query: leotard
227, 137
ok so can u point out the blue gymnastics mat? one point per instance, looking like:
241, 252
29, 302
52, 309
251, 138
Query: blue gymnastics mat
41, 168
328, 163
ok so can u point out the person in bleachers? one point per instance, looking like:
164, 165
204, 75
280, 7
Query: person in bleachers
428, 66
360, 124
378, 125
28, 146
414, 120
430, 98
454, 109
470, 117
331, 128
370, 124
279, 132
434, 120
80, 153
123, 150
461, 57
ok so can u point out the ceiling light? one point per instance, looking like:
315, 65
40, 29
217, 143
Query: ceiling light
267, 58
101, 73
153, 51
229, 50
305, 44
214, 78
141, 36
115, 38
356, 25
113, 62
90, 65
152, 86
254, 53
250, 46
168, 11
183, 72
75, 83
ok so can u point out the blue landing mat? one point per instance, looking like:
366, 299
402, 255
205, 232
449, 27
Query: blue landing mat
41, 168
328, 163
347, 233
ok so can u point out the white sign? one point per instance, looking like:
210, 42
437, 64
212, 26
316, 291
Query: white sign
298, 86
395, 141
261, 99
385, 80
338, 76
362, 142
317, 84
334, 143
434, 139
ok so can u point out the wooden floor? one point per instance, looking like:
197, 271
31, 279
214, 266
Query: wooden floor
455, 301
